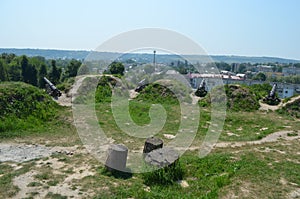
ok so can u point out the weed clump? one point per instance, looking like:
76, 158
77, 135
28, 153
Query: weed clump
164, 176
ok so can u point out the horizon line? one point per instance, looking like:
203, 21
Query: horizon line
87, 50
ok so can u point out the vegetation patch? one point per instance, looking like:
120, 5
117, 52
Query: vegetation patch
239, 98
166, 92
164, 176
24, 106
291, 109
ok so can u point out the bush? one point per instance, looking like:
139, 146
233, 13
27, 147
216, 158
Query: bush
168, 92
239, 98
164, 176
291, 109
260, 90
66, 85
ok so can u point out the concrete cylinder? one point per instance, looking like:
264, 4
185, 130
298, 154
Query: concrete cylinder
152, 144
117, 157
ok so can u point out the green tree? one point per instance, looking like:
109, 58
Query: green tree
29, 72
3, 73
116, 68
260, 77
72, 68
8, 57
55, 73
14, 71
24, 66
242, 68
42, 74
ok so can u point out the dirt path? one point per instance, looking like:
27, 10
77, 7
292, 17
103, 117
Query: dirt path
195, 99
285, 135
66, 99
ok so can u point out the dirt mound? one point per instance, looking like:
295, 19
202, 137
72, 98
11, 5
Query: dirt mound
23, 100
239, 98
166, 91
24, 106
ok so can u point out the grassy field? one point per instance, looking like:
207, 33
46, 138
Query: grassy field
266, 170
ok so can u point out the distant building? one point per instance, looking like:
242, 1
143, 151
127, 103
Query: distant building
213, 80
264, 68
290, 71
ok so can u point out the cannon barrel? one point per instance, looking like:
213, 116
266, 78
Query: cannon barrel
202, 84
272, 92
141, 85
50, 84
142, 82
52, 90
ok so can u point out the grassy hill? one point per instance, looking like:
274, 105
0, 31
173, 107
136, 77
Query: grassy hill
239, 97
24, 106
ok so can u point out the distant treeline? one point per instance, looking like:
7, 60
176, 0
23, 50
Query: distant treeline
31, 70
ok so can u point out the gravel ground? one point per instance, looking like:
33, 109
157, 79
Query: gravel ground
22, 152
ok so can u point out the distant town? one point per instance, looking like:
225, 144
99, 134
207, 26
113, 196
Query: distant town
231, 69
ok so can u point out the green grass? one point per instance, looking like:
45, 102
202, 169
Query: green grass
25, 107
224, 172
238, 126
55, 196
164, 176
251, 126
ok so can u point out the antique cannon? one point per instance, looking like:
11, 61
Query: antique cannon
201, 91
271, 98
51, 89
141, 85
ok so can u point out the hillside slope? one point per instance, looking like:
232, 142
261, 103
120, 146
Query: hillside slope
24, 105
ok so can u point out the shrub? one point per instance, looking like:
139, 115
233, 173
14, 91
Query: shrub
239, 98
164, 176
291, 109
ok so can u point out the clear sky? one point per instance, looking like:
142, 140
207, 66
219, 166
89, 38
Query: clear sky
221, 27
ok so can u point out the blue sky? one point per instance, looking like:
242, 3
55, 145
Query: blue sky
222, 27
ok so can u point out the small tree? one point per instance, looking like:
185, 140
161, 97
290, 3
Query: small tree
3, 73
54, 75
260, 77
24, 66
42, 74
14, 71
116, 68
29, 72
72, 68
